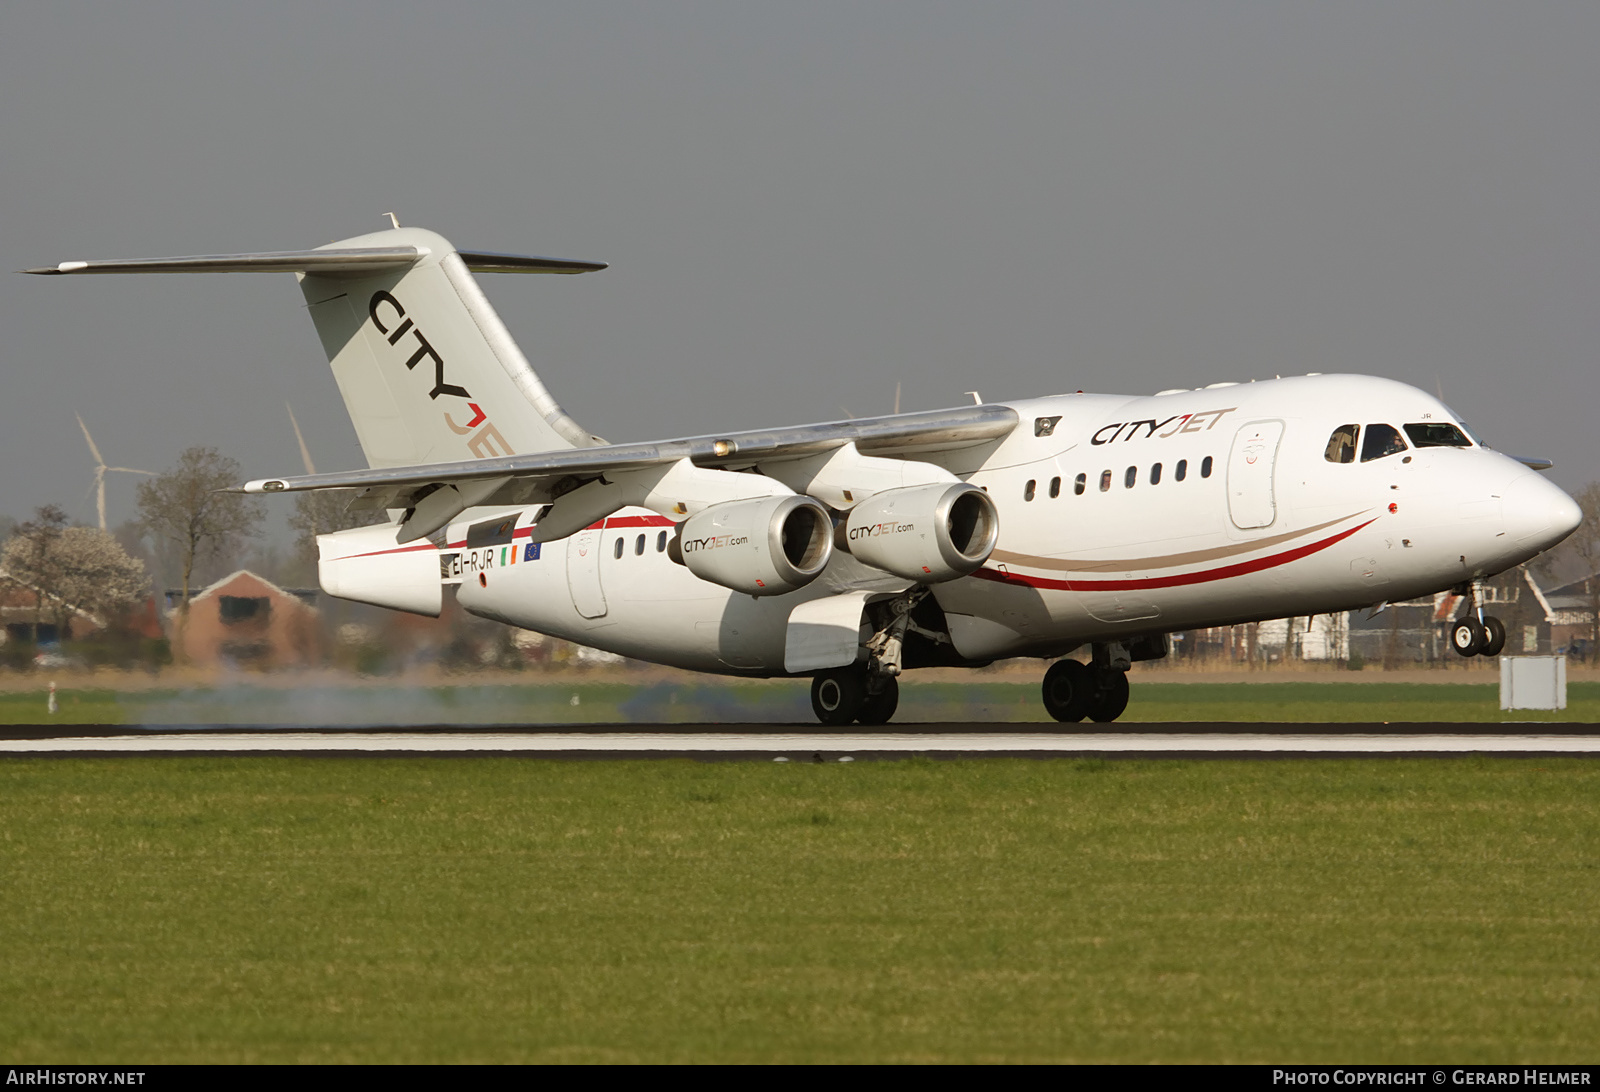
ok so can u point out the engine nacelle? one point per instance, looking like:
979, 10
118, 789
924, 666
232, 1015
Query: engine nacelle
926, 533
764, 546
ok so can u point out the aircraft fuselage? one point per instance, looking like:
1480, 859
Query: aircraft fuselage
1119, 517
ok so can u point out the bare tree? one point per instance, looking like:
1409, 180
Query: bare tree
1584, 547
321, 512
186, 508
72, 570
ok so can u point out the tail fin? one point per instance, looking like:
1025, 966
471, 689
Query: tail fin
427, 370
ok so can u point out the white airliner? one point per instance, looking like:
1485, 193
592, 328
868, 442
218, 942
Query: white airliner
854, 550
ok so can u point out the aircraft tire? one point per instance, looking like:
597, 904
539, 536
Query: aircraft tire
879, 708
1068, 689
1110, 699
1495, 636
837, 695
1467, 637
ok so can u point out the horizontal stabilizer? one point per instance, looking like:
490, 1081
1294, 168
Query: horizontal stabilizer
331, 261
484, 261
343, 260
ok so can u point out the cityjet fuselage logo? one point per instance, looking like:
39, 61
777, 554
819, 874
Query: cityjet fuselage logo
390, 320
1175, 425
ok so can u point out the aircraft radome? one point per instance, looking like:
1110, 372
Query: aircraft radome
855, 550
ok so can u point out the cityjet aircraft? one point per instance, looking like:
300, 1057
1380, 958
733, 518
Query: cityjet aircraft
852, 551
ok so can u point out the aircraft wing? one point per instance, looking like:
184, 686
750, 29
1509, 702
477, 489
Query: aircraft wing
541, 477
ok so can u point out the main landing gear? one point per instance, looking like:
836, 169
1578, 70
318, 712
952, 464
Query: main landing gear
1097, 690
868, 693
845, 695
1476, 633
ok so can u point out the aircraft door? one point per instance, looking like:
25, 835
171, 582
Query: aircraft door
583, 572
1251, 502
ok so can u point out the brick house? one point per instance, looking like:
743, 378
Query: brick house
245, 620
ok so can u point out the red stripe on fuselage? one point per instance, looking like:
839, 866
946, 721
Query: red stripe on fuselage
610, 523
1205, 576
396, 550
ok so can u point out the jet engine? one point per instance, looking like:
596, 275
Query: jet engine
763, 546
926, 533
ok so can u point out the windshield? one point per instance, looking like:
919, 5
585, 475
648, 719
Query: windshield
1380, 440
1467, 429
1437, 434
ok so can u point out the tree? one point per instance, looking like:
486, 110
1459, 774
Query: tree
1584, 547
320, 512
30, 555
188, 508
72, 569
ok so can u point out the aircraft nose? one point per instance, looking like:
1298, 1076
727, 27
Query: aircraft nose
1538, 514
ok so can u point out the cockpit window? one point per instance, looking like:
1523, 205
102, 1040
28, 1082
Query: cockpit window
1342, 444
1437, 434
1381, 440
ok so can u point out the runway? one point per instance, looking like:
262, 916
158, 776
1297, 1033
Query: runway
773, 742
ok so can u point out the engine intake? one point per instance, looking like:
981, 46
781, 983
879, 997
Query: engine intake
765, 546
926, 533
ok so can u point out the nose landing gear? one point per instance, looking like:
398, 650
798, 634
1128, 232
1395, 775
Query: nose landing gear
1476, 633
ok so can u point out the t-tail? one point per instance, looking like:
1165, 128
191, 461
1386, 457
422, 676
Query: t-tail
428, 371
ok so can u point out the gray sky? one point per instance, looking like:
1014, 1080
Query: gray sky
803, 204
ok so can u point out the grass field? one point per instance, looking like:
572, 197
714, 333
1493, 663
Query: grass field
284, 909
777, 702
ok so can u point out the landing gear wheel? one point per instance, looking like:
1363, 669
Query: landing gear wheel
1467, 637
837, 696
1068, 690
1110, 699
878, 708
1495, 638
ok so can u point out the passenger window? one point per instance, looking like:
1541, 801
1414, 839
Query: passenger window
1079, 484
1105, 481
1027, 490
1381, 440
1130, 476
1055, 488
1181, 471
1155, 474
618, 550
638, 547
1437, 434
1205, 467
661, 543
1342, 444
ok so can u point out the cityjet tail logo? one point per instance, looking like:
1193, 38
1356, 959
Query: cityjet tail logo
691, 545
485, 442
876, 529
1143, 430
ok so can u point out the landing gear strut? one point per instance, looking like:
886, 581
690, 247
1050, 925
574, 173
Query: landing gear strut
868, 693
1476, 633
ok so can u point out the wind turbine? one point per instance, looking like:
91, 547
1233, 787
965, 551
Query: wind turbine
100, 469
305, 452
